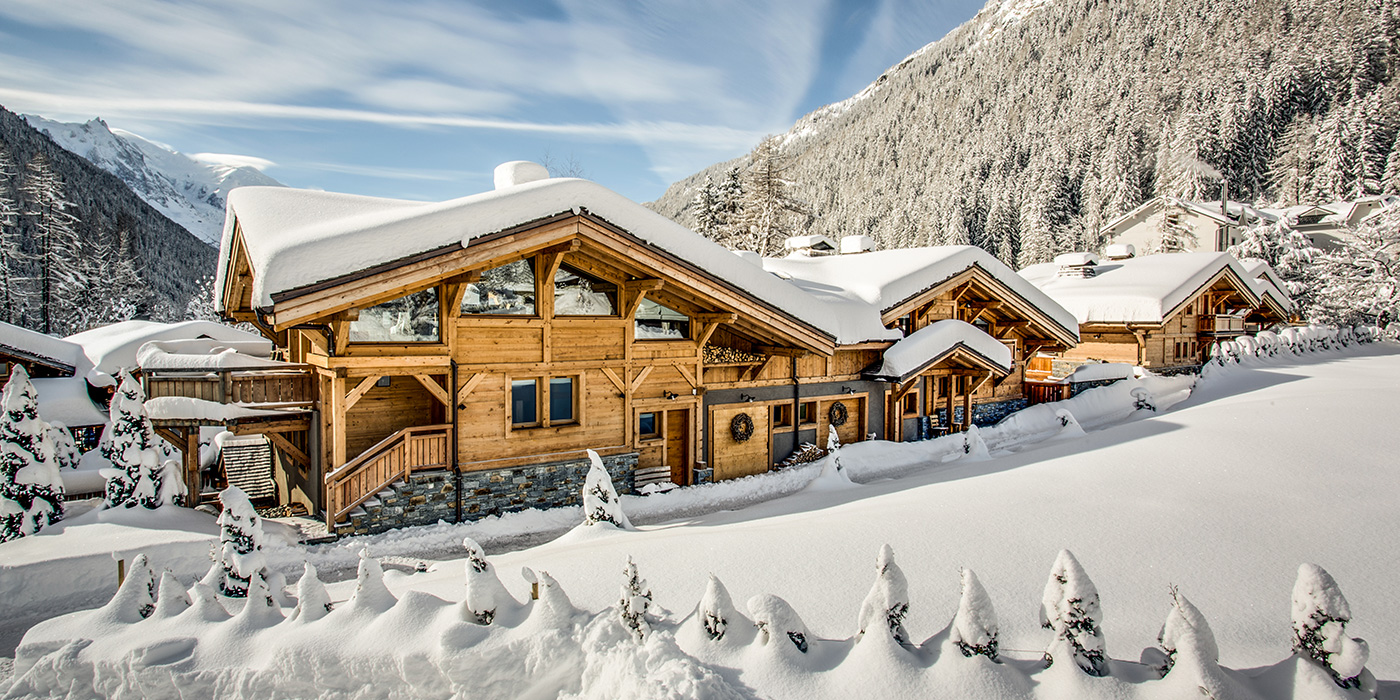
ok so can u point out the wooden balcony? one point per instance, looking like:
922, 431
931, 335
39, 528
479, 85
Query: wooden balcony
1221, 324
395, 457
290, 387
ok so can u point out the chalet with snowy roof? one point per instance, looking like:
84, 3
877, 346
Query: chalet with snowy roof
465, 353
1275, 306
1158, 311
1327, 225
1186, 226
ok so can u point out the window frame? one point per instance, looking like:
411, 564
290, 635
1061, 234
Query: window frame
614, 299
441, 338
534, 274
542, 402
781, 416
689, 334
655, 435
909, 400
810, 407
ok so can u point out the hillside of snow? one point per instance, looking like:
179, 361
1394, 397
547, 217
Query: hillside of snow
190, 191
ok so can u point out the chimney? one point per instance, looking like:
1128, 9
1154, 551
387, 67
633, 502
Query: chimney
518, 172
1076, 264
1120, 251
856, 244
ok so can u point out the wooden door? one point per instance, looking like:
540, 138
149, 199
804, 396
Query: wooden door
678, 445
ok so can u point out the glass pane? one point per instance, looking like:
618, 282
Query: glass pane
646, 424
657, 322
522, 401
410, 319
508, 289
578, 293
561, 399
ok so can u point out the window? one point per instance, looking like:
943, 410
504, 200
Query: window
945, 386
557, 395
408, 319
657, 322
782, 415
911, 403
508, 289
561, 400
578, 293
807, 412
524, 402
646, 426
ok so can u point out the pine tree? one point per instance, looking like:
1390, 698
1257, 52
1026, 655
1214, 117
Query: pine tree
1390, 180
31, 489
709, 211
1070, 608
313, 602
717, 614
125, 441
240, 544
1173, 235
1320, 617
58, 244
485, 594
975, 631
887, 603
779, 626
635, 603
11, 296
767, 205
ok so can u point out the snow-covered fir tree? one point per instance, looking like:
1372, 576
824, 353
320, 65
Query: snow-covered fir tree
31, 489
601, 504
313, 602
975, 630
1173, 234
239, 555
485, 594
887, 603
635, 603
125, 443
716, 612
59, 248
768, 207
12, 296
1359, 282
1186, 634
65, 449
1070, 609
779, 626
135, 599
1320, 617
171, 598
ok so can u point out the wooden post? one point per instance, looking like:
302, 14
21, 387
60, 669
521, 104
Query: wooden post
948, 403
193, 482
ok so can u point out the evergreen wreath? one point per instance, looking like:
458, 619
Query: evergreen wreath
741, 427
838, 414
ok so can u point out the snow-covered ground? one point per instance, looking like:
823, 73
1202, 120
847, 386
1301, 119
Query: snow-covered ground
1262, 468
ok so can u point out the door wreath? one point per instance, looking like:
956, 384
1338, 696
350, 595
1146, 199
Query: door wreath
837, 415
741, 427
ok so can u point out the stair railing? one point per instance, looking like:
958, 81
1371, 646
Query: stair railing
393, 458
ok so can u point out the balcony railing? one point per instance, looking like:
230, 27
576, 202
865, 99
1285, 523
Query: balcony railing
1221, 324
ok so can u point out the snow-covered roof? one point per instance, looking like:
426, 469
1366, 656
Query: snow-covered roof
187, 408
925, 346
296, 238
114, 347
1267, 281
207, 354
66, 399
1136, 290
33, 345
858, 289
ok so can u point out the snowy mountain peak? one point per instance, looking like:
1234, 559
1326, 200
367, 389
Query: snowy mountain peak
190, 190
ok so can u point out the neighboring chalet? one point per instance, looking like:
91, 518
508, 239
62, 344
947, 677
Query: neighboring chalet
57, 368
1161, 312
466, 353
1327, 225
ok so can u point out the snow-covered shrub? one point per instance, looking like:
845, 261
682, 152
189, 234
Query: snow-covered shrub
1142, 399
600, 501
777, 623
716, 613
887, 603
555, 608
1320, 617
1070, 607
371, 595
974, 629
171, 599
1069, 425
31, 489
65, 449
1186, 636
239, 556
484, 590
635, 602
135, 598
313, 602
172, 491
260, 609
974, 447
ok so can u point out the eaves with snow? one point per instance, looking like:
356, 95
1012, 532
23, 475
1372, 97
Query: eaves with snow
1147, 290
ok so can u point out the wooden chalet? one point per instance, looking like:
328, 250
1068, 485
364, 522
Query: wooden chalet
464, 354
56, 368
1161, 312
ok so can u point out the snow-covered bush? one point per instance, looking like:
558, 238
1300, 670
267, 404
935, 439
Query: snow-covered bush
1186, 636
484, 590
171, 599
778, 624
716, 613
135, 599
65, 449
600, 501
371, 595
974, 447
1070, 608
635, 602
887, 603
31, 490
1320, 617
313, 602
239, 555
974, 630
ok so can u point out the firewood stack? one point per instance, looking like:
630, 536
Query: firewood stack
719, 355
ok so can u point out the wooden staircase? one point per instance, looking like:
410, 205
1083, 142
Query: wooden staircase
395, 457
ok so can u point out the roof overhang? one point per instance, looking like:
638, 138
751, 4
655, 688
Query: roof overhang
958, 356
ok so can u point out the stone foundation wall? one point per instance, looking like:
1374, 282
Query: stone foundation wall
427, 497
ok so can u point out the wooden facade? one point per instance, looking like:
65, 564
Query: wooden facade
532, 378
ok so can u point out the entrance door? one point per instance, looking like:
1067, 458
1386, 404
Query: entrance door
678, 445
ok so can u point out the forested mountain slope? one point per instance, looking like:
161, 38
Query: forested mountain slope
1026, 128
122, 258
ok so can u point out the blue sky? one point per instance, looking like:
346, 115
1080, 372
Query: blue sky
421, 99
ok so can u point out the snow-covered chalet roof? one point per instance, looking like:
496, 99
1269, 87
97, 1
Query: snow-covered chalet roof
45, 349
113, 347
66, 399
1136, 290
207, 354
931, 343
1267, 281
296, 238
859, 288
